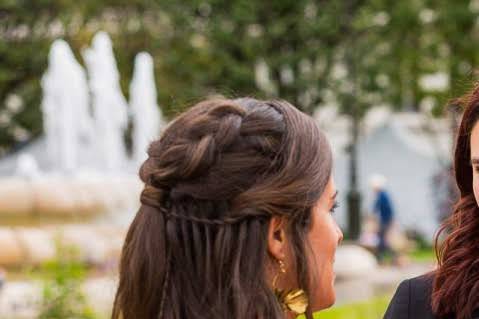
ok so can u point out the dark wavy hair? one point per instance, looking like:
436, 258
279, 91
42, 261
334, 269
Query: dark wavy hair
456, 281
197, 247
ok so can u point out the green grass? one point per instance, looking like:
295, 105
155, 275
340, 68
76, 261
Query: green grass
423, 255
372, 309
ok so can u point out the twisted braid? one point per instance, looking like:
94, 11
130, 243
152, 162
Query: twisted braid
175, 168
227, 220
215, 222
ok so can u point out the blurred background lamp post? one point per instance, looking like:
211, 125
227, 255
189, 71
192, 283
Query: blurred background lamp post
353, 195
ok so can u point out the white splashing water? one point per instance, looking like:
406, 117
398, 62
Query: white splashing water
110, 109
146, 115
65, 108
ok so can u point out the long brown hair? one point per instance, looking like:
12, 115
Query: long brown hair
197, 247
456, 281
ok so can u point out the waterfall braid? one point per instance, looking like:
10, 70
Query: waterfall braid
197, 247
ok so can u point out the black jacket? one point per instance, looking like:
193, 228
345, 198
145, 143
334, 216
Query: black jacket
412, 300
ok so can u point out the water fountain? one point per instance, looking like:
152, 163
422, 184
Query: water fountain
65, 106
110, 109
76, 184
145, 112
80, 166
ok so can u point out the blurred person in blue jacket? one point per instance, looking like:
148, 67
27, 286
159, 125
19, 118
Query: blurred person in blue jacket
383, 208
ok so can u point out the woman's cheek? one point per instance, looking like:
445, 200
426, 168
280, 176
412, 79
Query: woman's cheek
475, 186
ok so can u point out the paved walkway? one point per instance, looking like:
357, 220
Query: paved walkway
380, 282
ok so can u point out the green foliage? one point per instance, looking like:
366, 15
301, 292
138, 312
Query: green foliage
61, 294
358, 53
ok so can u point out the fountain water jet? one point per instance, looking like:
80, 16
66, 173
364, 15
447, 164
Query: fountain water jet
144, 109
65, 106
110, 109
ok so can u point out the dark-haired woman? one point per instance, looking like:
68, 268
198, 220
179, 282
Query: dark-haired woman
452, 290
235, 219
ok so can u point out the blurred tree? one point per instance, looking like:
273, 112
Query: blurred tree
296, 50
282, 48
458, 32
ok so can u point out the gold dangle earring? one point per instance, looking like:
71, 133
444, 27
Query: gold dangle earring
294, 300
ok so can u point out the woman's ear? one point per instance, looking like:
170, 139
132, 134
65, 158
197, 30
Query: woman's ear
277, 238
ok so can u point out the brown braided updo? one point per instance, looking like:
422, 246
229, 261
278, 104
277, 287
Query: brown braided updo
219, 172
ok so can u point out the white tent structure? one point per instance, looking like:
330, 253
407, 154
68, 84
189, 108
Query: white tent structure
409, 149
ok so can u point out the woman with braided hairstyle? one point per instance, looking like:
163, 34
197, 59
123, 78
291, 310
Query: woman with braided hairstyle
235, 218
